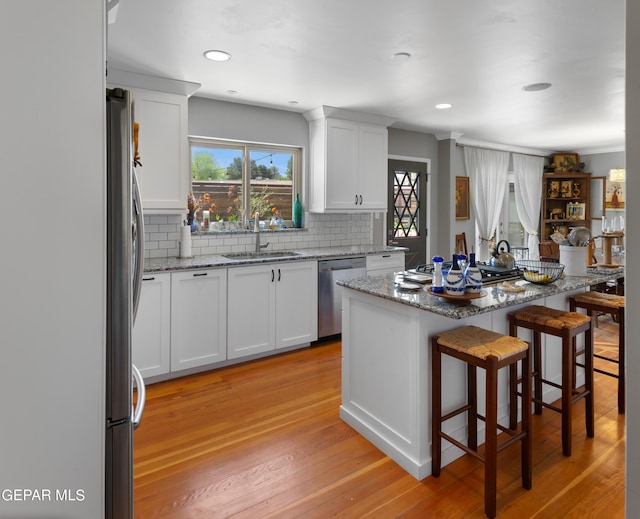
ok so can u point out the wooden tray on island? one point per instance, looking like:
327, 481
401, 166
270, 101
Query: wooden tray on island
464, 299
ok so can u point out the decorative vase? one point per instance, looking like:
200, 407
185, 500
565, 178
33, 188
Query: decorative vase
298, 213
473, 276
191, 222
454, 280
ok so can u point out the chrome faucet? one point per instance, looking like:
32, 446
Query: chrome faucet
256, 231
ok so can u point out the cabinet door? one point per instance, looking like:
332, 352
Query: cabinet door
151, 334
164, 150
251, 311
371, 186
198, 318
341, 165
296, 303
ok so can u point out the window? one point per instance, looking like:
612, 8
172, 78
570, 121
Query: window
233, 181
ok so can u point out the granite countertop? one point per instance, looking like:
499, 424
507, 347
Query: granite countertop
218, 260
493, 297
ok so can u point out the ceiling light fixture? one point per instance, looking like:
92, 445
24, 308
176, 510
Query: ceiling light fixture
232, 92
401, 56
443, 106
293, 102
217, 55
536, 87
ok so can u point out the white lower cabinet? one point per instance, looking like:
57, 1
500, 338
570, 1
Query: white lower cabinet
385, 263
198, 318
271, 306
151, 348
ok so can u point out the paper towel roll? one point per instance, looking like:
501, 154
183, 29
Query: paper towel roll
185, 242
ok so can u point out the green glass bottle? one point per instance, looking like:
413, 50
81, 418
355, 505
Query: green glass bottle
298, 213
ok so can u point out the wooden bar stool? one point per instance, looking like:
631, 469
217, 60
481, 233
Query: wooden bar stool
594, 302
566, 325
491, 351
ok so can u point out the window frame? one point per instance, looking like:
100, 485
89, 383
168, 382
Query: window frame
246, 147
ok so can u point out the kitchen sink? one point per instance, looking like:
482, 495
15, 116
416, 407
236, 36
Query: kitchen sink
262, 254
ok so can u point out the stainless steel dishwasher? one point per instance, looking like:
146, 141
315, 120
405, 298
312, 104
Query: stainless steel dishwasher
330, 294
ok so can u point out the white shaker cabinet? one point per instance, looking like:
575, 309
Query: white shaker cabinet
296, 303
271, 306
151, 332
198, 318
385, 263
164, 150
348, 164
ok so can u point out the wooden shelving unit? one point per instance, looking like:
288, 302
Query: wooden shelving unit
565, 202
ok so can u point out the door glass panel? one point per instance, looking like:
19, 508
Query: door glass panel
406, 204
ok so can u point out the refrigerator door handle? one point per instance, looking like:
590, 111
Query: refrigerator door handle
138, 245
142, 397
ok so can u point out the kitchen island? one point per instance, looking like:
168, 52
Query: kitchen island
386, 369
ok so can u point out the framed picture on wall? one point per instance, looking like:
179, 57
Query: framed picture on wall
564, 162
462, 198
614, 194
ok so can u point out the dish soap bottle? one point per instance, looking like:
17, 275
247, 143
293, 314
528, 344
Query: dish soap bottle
298, 213
473, 276
454, 280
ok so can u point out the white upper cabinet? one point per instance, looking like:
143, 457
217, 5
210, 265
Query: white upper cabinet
164, 150
348, 161
160, 106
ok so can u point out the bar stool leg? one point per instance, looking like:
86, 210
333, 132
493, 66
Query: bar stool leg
588, 378
567, 392
436, 411
527, 442
491, 439
513, 382
472, 401
513, 396
537, 372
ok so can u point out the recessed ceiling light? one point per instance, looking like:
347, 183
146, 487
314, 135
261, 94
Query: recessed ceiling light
293, 102
535, 87
232, 92
217, 55
401, 56
443, 106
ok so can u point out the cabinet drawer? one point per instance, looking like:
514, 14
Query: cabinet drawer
385, 262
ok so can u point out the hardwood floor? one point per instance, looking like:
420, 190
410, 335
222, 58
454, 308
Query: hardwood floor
264, 440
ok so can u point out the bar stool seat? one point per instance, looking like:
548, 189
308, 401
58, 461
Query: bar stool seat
594, 302
567, 326
491, 351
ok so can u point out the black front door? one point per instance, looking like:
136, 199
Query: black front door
407, 209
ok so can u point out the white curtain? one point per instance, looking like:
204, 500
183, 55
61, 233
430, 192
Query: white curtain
487, 171
528, 190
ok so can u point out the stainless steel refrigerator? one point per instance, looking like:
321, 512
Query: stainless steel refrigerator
125, 242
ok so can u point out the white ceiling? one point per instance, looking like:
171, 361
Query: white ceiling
475, 54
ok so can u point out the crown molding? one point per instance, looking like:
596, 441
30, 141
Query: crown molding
122, 78
504, 147
595, 151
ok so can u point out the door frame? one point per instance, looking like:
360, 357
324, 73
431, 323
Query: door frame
421, 160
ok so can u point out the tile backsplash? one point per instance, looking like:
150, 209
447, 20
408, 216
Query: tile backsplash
162, 235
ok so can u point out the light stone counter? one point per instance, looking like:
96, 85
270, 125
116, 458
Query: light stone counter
493, 297
219, 260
